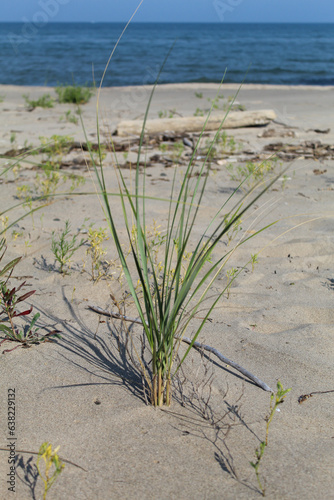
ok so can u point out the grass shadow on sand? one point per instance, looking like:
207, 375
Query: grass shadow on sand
105, 359
214, 427
29, 471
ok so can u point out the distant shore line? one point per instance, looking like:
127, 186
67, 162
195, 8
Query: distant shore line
192, 85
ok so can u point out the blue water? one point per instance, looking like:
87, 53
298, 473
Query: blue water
62, 53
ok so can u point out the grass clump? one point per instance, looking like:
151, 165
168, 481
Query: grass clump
74, 94
171, 293
46, 101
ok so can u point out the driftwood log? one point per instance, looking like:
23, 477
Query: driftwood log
196, 345
235, 119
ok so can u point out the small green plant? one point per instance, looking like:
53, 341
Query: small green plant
233, 227
16, 234
218, 103
27, 205
99, 154
74, 94
46, 184
9, 300
55, 145
48, 177
214, 102
63, 247
231, 274
224, 145
254, 260
23, 192
70, 117
96, 237
285, 179
2, 98
199, 112
50, 458
167, 113
178, 148
275, 400
251, 173
125, 155
4, 223
76, 181
27, 245
46, 101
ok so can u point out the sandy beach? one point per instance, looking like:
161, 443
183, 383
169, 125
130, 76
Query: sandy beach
277, 320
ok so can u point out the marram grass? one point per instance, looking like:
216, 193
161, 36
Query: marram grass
170, 294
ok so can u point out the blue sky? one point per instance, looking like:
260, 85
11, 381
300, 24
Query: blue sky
168, 10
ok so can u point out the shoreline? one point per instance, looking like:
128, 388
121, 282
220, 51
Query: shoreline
191, 85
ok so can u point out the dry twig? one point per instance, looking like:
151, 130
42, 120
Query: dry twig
196, 345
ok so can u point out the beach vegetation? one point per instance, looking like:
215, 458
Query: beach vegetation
53, 466
216, 101
275, 401
74, 94
46, 184
170, 113
55, 145
219, 103
45, 101
4, 223
2, 98
227, 143
48, 175
284, 180
9, 299
177, 150
16, 234
167, 296
95, 240
199, 95
223, 145
199, 112
27, 245
252, 172
63, 246
70, 117
235, 227
254, 260
231, 275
